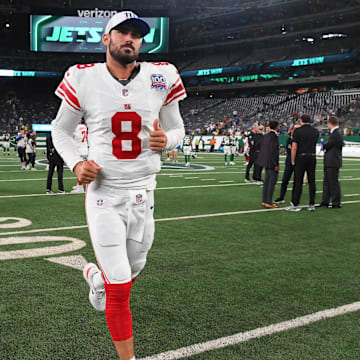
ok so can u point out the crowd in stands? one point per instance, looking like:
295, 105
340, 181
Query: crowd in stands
207, 116
18, 111
231, 115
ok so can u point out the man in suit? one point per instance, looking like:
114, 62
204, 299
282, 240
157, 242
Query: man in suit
252, 153
332, 164
55, 161
303, 158
269, 159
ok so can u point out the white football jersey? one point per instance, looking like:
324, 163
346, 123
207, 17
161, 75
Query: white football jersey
81, 139
120, 117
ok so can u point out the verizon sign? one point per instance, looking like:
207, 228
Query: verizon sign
98, 13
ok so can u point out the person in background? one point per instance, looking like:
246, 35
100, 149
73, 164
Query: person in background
30, 141
187, 147
303, 158
174, 153
21, 147
289, 168
212, 144
332, 164
55, 161
257, 168
269, 159
6, 143
252, 138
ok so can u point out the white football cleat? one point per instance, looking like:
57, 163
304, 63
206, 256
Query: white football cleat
97, 298
78, 189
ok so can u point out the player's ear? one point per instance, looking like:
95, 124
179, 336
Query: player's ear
106, 39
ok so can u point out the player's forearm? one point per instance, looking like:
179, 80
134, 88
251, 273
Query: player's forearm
62, 133
172, 123
174, 138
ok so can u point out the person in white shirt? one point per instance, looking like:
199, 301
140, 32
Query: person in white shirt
132, 113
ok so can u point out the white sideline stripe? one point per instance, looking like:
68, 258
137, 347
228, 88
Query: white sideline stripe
207, 179
352, 195
207, 172
193, 177
241, 337
166, 219
226, 181
166, 188
42, 179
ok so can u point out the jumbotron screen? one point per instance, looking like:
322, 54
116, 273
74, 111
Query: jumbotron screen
84, 34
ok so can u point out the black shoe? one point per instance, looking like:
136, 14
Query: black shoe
339, 206
279, 201
322, 205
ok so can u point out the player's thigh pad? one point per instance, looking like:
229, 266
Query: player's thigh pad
106, 217
140, 242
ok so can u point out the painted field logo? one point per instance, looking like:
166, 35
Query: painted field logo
182, 167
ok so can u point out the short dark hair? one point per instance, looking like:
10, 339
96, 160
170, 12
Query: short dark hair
333, 120
305, 118
273, 124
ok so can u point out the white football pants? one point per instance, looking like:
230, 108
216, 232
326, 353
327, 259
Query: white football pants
121, 226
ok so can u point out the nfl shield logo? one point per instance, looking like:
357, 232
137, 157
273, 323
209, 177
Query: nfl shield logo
100, 202
125, 92
158, 82
138, 198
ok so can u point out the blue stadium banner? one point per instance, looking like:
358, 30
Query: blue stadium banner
84, 35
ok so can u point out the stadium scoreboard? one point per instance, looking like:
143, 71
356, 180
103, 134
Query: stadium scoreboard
84, 34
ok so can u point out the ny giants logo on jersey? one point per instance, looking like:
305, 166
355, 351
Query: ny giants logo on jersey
158, 82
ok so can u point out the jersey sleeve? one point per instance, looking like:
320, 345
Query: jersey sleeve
176, 90
67, 89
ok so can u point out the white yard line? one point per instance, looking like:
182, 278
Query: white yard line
210, 172
42, 179
226, 181
241, 337
352, 195
168, 188
166, 219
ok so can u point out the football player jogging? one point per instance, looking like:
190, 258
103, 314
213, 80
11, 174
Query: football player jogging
81, 139
6, 143
187, 149
132, 113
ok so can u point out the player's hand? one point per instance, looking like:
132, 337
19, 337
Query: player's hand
86, 171
293, 163
158, 139
277, 168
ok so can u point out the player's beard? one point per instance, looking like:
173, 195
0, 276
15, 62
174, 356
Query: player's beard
120, 56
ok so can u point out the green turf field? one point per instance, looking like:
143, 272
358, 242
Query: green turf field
207, 277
